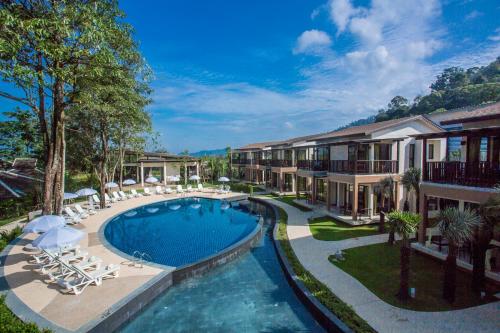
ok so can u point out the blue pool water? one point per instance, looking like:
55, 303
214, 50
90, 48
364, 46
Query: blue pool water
249, 294
182, 231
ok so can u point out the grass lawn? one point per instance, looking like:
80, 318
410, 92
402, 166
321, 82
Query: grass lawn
328, 229
288, 199
377, 268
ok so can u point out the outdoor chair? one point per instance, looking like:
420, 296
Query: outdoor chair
146, 191
84, 279
135, 193
81, 211
123, 195
71, 217
116, 196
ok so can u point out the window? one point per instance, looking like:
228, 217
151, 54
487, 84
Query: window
412, 155
430, 152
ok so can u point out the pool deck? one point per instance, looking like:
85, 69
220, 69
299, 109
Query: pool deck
33, 298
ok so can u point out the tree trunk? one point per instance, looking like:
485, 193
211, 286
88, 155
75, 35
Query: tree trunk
480, 242
404, 283
381, 224
103, 162
390, 240
417, 192
450, 272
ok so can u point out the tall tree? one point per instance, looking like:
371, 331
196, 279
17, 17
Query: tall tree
404, 224
456, 227
45, 48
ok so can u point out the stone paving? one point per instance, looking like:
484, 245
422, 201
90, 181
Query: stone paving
383, 317
70, 312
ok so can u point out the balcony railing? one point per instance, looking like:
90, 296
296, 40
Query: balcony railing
479, 174
314, 165
265, 162
282, 163
363, 166
241, 161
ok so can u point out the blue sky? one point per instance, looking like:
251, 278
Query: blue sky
234, 72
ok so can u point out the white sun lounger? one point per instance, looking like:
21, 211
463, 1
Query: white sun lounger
98, 201
116, 196
109, 199
123, 195
46, 255
135, 194
66, 270
200, 187
55, 261
159, 190
85, 279
83, 212
189, 188
71, 217
146, 191
168, 190
180, 189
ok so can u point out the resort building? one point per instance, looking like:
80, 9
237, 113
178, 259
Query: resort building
251, 162
141, 165
344, 169
465, 174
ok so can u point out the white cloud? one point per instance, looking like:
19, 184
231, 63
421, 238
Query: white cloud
340, 13
312, 41
368, 30
496, 36
472, 15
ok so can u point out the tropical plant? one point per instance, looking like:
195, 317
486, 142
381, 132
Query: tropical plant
482, 235
411, 181
456, 227
404, 224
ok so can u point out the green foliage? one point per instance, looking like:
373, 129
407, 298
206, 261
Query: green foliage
343, 311
457, 226
403, 223
9, 323
9, 236
377, 267
453, 88
19, 135
13, 208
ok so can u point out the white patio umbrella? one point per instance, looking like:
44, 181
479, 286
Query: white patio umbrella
69, 196
173, 178
85, 192
44, 223
129, 182
58, 237
111, 185
195, 177
151, 180
223, 179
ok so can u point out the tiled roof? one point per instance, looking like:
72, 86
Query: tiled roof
467, 114
258, 145
370, 128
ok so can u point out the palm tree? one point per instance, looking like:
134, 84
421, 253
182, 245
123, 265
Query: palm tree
385, 188
411, 181
482, 235
404, 224
456, 227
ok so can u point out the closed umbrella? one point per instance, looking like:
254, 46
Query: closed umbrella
58, 238
151, 180
111, 185
129, 182
44, 223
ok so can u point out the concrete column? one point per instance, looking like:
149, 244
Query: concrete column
165, 173
137, 174
370, 200
461, 205
280, 180
328, 195
294, 184
142, 174
425, 218
297, 192
338, 195
313, 191
355, 201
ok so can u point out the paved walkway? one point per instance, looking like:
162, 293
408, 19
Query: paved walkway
383, 317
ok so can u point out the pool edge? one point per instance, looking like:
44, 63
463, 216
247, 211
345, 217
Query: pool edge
321, 314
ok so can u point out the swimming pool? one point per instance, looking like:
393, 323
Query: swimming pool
182, 231
249, 294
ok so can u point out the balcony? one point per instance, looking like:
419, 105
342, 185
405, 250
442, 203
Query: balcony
478, 174
265, 162
240, 161
364, 166
315, 165
282, 163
